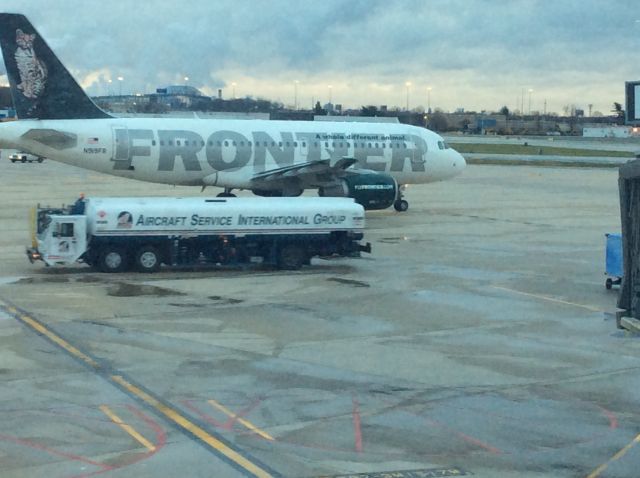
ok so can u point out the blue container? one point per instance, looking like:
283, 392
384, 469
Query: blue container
613, 259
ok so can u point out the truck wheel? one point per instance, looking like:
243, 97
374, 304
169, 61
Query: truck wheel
39, 160
147, 259
113, 259
291, 257
24, 159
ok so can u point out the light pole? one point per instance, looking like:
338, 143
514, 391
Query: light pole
295, 95
233, 87
330, 94
530, 91
109, 81
120, 80
408, 84
186, 78
429, 100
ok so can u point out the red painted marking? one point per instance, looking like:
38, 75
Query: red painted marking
211, 421
465, 437
51, 451
613, 421
161, 438
357, 431
231, 421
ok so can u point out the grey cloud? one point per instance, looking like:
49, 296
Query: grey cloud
158, 42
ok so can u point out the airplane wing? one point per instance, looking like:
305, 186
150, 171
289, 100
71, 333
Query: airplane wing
306, 171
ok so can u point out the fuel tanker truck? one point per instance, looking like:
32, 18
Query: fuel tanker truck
120, 234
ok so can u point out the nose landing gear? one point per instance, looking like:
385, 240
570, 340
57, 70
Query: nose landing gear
227, 193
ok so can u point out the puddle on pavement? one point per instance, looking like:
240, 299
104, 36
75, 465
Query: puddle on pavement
393, 240
219, 300
351, 282
53, 279
225, 300
40, 280
12, 280
124, 289
91, 279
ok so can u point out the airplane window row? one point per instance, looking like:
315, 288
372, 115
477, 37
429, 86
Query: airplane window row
288, 144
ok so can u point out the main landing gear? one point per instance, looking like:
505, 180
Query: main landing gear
400, 204
227, 193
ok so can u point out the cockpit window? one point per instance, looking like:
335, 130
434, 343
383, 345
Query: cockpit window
440, 144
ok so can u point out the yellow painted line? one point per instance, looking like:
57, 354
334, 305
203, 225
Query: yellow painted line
168, 412
550, 299
127, 428
595, 473
57, 339
241, 420
194, 429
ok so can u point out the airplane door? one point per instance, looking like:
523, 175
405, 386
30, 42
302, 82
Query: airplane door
120, 151
303, 149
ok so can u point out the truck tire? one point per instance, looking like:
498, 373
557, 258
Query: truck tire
24, 159
291, 257
147, 259
40, 160
113, 259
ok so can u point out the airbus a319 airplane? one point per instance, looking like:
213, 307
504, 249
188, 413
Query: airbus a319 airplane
371, 162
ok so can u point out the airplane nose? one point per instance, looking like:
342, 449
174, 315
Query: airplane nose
459, 163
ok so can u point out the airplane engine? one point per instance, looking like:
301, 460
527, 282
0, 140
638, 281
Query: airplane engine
371, 190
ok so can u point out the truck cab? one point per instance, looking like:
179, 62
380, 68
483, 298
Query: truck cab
58, 238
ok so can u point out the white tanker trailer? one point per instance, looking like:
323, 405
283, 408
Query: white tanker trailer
119, 234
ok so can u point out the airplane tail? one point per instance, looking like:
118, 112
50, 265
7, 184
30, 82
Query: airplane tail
41, 87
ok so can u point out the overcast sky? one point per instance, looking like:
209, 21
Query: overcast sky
477, 55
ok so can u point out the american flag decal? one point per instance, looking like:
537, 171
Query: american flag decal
92, 141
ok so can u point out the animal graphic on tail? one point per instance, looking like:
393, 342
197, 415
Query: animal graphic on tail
33, 72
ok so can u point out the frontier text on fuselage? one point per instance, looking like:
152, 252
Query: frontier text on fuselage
228, 149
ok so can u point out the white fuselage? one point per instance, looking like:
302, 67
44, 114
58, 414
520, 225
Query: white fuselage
195, 151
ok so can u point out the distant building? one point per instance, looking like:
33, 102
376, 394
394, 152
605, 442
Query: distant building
177, 96
7, 113
357, 119
610, 132
122, 104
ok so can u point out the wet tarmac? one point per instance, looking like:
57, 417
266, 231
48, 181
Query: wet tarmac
477, 339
